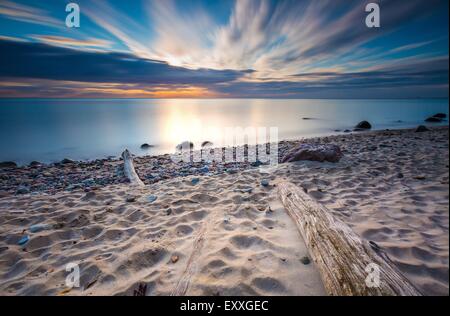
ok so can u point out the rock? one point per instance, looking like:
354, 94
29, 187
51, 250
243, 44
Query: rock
440, 115
207, 144
23, 190
66, 161
174, 259
8, 164
314, 152
130, 199
151, 198
347, 131
194, 181
305, 260
185, 145
38, 227
23, 240
433, 119
419, 177
400, 175
421, 129
204, 169
35, 164
265, 183
146, 146
364, 125
307, 118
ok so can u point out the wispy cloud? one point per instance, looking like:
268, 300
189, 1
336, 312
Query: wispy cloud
88, 43
28, 14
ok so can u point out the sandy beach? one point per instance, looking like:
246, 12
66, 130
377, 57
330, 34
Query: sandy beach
390, 187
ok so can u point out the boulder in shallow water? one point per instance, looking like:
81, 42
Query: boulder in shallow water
364, 125
433, 119
314, 152
207, 144
7, 164
146, 146
421, 129
440, 115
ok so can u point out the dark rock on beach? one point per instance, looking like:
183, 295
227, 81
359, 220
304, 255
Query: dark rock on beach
421, 129
7, 164
313, 152
364, 125
66, 161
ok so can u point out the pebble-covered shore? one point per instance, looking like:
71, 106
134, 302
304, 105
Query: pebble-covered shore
70, 175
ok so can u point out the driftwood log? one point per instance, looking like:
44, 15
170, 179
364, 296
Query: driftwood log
344, 260
128, 168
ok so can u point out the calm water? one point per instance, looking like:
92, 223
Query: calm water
50, 130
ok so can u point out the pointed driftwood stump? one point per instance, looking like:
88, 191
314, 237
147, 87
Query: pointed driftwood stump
344, 260
128, 168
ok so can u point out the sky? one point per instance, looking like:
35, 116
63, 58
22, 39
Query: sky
224, 49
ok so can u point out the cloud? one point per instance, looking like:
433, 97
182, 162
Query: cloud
71, 42
28, 14
34, 60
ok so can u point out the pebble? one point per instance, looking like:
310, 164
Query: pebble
23, 240
305, 260
174, 259
152, 198
194, 181
131, 199
23, 190
265, 183
38, 228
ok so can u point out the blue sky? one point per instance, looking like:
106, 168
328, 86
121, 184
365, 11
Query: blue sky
227, 48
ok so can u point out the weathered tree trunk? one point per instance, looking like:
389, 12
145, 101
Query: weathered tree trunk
345, 261
128, 169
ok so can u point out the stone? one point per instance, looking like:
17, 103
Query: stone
8, 164
314, 152
194, 181
400, 175
131, 199
421, 129
146, 146
23, 240
152, 198
364, 125
66, 161
174, 259
305, 260
265, 183
23, 190
433, 119
440, 115
207, 144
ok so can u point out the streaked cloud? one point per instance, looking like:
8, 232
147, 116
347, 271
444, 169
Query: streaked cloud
27, 14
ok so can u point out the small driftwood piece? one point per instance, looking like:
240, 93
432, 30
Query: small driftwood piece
344, 260
128, 168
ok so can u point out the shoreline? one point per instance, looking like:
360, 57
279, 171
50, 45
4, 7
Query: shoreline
69, 175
